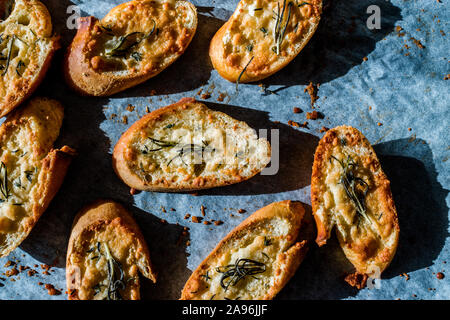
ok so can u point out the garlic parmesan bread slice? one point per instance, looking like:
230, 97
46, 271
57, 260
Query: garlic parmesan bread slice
106, 250
26, 48
133, 43
349, 190
31, 172
186, 146
262, 37
255, 260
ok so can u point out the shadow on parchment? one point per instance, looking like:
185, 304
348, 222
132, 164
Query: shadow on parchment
168, 255
296, 155
340, 43
420, 203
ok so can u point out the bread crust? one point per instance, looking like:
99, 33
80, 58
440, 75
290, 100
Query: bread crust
79, 72
291, 211
20, 89
121, 165
54, 165
371, 246
106, 212
262, 64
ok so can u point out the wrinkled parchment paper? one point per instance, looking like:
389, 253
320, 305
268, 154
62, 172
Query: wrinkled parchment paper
389, 83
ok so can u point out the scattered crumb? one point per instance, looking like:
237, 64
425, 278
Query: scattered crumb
293, 123
417, 43
130, 108
196, 219
125, 120
447, 77
440, 275
51, 290
205, 96
218, 222
242, 211
133, 191
187, 216
312, 91
324, 129
357, 280
297, 110
9, 264
31, 272
147, 109
12, 272
314, 115
365, 59
153, 92
221, 96
206, 222
379, 124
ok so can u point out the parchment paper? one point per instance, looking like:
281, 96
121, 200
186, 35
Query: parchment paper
379, 81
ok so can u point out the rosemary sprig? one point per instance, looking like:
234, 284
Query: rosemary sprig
124, 43
20, 64
8, 59
4, 190
116, 277
160, 145
355, 187
233, 273
191, 149
242, 72
279, 30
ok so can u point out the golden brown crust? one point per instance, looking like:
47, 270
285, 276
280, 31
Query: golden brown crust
90, 73
19, 88
123, 155
287, 261
94, 217
264, 62
36, 126
371, 243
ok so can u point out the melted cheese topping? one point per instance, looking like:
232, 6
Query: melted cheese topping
265, 246
23, 145
152, 33
364, 239
88, 262
256, 30
25, 43
196, 143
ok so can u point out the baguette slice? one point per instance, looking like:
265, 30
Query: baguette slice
31, 172
26, 49
369, 235
185, 147
104, 240
261, 37
269, 240
133, 43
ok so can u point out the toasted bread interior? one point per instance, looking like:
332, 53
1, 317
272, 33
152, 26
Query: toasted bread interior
141, 36
193, 146
254, 261
25, 140
104, 262
26, 43
262, 36
351, 192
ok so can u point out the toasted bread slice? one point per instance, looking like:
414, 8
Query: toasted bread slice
185, 147
350, 190
255, 260
26, 49
31, 172
106, 250
133, 43
262, 37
